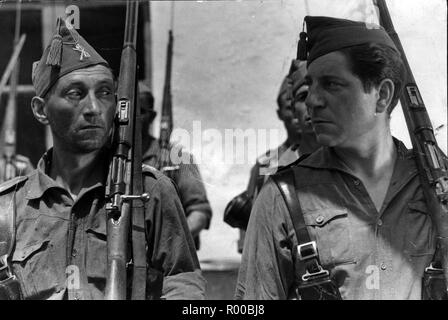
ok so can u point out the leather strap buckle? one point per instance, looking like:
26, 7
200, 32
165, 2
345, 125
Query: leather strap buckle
431, 268
307, 250
5, 271
321, 273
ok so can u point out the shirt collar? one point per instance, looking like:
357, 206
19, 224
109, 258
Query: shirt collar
326, 158
40, 182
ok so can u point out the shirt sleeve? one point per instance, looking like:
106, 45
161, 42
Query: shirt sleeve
267, 269
191, 188
171, 249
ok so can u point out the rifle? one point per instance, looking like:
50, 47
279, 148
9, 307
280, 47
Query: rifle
166, 122
9, 123
431, 163
124, 184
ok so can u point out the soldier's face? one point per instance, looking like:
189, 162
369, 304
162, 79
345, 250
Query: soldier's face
300, 110
81, 108
342, 113
286, 114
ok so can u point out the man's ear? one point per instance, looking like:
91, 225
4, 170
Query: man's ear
38, 107
386, 91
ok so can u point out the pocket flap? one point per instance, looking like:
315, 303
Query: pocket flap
22, 253
322, 216
418, 205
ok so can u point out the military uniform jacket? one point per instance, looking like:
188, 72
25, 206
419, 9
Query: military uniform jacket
60, 249
370, 254
187, 178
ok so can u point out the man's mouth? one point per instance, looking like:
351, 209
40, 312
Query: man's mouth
308, 120
91, 127
319, 121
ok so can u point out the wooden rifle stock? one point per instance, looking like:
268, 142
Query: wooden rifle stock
124, 185
431, 162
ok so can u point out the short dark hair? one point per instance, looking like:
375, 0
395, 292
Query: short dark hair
372, 63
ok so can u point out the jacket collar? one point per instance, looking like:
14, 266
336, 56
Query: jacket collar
326, 158
40, 182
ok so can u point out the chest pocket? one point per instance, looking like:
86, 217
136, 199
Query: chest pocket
420, 234
36, 269
331, 229
96, 258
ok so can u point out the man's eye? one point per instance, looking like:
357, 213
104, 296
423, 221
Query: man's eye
74, 93
333, 84
301, 97
105, 92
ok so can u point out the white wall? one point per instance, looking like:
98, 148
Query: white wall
229, 60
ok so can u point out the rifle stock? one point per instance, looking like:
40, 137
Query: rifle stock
431, 161
124, 185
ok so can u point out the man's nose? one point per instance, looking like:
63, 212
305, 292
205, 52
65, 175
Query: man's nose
313, 100
92, 105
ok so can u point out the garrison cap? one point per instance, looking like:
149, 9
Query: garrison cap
293, 80
67, 51
298, 75
286, 86
326, 34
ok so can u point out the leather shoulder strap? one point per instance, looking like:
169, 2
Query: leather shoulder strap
7, 185
7, 223
8, 214
285, 181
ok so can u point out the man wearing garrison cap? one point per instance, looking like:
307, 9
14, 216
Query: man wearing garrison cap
186, 174
60, 249
360, 195
300, 138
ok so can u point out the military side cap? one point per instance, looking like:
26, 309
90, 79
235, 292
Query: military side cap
298, 75
285, 86
67, 51
326, 34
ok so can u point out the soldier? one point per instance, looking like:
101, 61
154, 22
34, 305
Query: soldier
362, 204
185, 174
300, 135
60, 207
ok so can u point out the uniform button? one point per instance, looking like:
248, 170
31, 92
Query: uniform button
320, 219
379, 222
356, 182
383, 266
74, 253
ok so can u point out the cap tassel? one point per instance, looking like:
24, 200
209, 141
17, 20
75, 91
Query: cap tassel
302, 53
55, 53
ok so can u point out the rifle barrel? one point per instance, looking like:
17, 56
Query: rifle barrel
121, 168
431, 161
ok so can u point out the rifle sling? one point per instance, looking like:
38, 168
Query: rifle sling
138, 253
7, 223
138, 230
285, 181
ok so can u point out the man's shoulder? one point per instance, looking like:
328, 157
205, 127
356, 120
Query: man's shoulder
155, 177
150, 171
12, 185
266, 158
